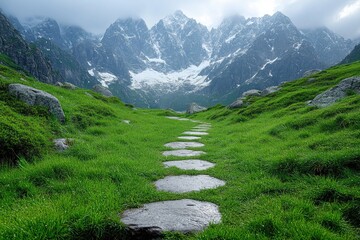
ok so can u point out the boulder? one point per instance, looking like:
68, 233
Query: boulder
102, 90
68, 85
59, 84
194, 108
311, 72
61, 144
237, 104
270, 90
252, 92
36, 97
336, 93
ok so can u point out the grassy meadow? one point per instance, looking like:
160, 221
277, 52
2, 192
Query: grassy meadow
291, 171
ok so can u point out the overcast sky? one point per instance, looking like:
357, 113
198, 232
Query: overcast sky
341, 16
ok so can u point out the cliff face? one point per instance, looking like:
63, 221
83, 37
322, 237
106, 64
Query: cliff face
26, 56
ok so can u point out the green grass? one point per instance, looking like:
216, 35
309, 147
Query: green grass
291, 171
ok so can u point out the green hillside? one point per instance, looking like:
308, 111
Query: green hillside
291, 171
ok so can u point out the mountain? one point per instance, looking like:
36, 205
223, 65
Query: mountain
178, 60
330, 47
353, 56
27, 56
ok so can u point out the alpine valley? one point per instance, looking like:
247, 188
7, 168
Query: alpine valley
178, 60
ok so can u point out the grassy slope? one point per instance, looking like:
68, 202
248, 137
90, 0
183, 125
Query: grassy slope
292, 171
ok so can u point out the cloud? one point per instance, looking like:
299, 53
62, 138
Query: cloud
96, 15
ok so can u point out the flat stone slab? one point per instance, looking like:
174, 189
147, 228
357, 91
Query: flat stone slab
189, 138
200, 129
184, 216
183, 153
178, 118
185, 183
182, 145
193, 164
195, 133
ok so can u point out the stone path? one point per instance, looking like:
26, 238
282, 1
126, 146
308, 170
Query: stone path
185, 183
184, 215
195, 133
182, 145
191, 164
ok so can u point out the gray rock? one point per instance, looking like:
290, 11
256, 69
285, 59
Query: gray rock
193, 164
126, 121
36, 97
336, 93
250, 93
59, 84
311, 72
238, 103
194, 108
199, 129
189, 138
270, 90
182, 145
68, 85
183, 153
62, 144
195, 133
183, 216
102, 90
185, 183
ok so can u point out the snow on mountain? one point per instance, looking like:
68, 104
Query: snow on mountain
172, 81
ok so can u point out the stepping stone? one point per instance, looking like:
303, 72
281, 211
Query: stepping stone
189, 138
183, 153
199, 129
193, 164
182, 145
185, 183
186, 215
195, 133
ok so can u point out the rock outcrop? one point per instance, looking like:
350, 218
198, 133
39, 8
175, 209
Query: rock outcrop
194, 108
26, 56
102, 90
236, 104
336, 93
36, 97
252, 92
270, 90
311, 72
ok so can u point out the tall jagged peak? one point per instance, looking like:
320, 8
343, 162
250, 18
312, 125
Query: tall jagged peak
177, 18
280, 17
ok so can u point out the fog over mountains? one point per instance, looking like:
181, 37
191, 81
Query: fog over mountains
179, 61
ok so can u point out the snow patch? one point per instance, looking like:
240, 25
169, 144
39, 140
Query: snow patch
171, 81
268, 62
105, 78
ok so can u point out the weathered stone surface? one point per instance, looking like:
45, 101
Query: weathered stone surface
68, 85
195, 133
182, 145
336, 93
252, 92
181, 216
171, 117
199, 129
194, 108
59, 84
311, 72
193, 164
36, 97
185, 183
183, 153
126, 121
102, 90
238, 103
270, 90
189, 138
62, 144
